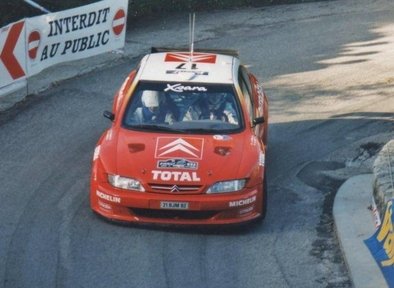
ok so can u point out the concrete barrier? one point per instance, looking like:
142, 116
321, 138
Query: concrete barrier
383, 171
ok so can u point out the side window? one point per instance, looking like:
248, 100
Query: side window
246, 91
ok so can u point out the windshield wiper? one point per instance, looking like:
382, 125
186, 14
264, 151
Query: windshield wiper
155, 127
202, 130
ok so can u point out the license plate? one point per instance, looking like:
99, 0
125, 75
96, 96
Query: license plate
174, 205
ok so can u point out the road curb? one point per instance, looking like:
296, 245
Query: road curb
354, 224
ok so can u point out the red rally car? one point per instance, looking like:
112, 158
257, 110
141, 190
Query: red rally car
187, 143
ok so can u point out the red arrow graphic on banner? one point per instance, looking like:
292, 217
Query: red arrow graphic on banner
7, 55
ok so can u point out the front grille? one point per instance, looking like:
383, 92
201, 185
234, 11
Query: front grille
178, 189
173, 214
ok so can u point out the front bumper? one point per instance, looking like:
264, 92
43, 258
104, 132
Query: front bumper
186, 209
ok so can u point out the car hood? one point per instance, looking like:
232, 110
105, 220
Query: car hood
184, 159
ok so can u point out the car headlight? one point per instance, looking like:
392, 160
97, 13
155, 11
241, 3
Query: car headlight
227, 186
125, 183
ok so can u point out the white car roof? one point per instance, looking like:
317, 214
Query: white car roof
180, 67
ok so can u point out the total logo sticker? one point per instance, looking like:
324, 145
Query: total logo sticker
182, 176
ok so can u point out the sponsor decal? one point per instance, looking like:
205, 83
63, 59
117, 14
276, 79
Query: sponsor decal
243, 202
253, 140
185, 148
186, 57
195, 73
246, 210
182, 176
96, 152
107, 197
177, 164
381, 244
261, 98
180, 88
104, 205
222, 137
262, 159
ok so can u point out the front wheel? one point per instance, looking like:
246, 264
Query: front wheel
263, 203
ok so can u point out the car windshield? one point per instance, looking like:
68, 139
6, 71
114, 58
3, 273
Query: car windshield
183, 108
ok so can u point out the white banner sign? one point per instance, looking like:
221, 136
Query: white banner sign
12, 53
74, 34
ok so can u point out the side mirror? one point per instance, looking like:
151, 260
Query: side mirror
109, 115
258, 120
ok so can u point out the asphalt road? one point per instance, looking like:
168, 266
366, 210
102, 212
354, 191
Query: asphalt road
326, 69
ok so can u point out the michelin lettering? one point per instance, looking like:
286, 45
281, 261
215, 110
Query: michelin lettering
107, 197
242, 202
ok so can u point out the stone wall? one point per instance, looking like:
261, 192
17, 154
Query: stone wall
383, 170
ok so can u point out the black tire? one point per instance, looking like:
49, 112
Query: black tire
259, 220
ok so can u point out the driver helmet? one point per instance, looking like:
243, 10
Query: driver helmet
150, 99
215, 100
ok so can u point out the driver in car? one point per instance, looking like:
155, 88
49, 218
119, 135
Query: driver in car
214, 106
154, 109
